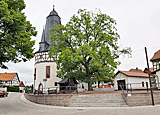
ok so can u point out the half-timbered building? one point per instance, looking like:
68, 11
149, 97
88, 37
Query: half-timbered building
156, 67
9, 79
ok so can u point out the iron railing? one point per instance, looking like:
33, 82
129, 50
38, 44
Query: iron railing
55, 90
130, 86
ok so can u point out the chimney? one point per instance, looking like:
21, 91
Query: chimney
136, 68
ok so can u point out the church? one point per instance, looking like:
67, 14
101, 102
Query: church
45, 67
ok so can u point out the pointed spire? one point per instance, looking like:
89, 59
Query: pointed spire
43, 35
53, 7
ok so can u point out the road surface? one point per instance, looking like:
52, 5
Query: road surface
16, 104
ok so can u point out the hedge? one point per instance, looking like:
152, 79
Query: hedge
13, 89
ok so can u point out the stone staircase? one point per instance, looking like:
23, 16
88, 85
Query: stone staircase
99, 100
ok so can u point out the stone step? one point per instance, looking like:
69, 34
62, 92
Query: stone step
100, 98
106, 95
97, 105
99, 101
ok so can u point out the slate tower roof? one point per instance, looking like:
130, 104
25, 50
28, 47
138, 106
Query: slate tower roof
52, 19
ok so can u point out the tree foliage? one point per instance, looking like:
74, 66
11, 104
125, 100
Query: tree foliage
86, 48
15, 33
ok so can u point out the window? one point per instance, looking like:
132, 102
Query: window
55, 83
35, 74
142, 83
47, 71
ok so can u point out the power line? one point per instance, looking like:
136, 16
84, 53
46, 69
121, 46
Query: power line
147, 48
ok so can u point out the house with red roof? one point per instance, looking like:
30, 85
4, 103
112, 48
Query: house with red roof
156, 67
9, 79
21, 86
136, 77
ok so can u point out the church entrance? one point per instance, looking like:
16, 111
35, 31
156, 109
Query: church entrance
40, 88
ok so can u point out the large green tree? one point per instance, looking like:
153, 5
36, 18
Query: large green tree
86, 48
15, 33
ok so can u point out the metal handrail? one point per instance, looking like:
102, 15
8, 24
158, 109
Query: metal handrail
146, 86
73, 93
66, 88
121, 88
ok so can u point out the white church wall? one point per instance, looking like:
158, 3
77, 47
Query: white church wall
41, 74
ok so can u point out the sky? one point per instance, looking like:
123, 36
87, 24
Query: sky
138, 24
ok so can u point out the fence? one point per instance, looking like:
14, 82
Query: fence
54, 90
143, 86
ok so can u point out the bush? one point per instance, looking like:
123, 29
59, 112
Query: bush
13, 89
5, 86
27, 87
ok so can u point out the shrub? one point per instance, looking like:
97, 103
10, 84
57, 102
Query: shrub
27, 87
13, 89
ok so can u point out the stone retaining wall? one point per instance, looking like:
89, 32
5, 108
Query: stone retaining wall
141, 99
53, 99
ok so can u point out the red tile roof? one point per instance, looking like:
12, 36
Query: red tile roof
21, 84
156, 56
146, 70
134, 74
7, 76
135, 70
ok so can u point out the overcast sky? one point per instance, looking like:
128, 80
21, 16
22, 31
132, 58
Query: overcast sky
138, 23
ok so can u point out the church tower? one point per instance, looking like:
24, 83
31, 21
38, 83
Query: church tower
45, 67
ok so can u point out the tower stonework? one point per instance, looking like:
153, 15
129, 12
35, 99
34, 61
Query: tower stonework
45, 67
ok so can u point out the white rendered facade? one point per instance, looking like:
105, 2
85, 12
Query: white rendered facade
41, 74
134, 79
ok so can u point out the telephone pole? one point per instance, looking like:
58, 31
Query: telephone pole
149, 76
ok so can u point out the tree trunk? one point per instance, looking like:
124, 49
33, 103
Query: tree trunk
89, 78
90, 84
98, 83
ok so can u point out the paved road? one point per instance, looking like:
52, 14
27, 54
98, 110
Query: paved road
16, 104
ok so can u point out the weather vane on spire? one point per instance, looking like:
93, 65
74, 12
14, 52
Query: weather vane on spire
53, 3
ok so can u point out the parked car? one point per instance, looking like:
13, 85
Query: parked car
3, 94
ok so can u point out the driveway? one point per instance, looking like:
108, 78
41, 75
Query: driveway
15, 104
